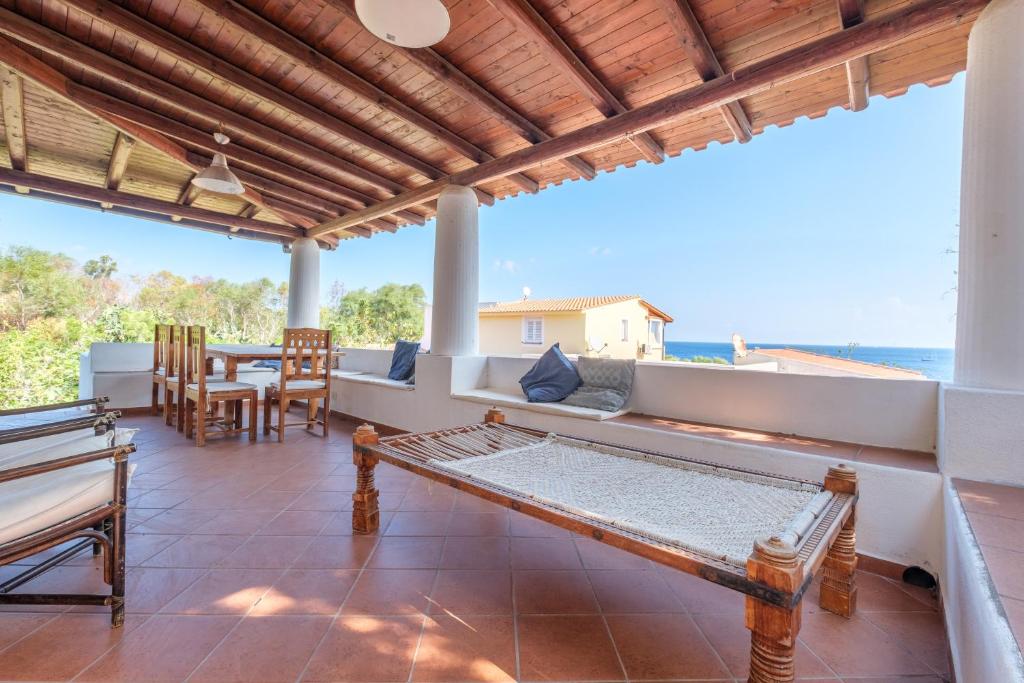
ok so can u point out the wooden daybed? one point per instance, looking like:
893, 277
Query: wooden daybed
64, 482
649, 504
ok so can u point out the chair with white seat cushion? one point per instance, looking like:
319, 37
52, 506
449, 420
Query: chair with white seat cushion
68, 487
202, 395
162, 346
305, 376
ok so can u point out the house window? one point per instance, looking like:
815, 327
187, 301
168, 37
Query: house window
533, 330
657, 328
625, 330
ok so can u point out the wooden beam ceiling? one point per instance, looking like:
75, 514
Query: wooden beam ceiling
532, 25
119, 155
131, 24
474, 93
290, 46
858, 77
131, 201
52, 80
833, 50
698, 50
136, 122
13, 100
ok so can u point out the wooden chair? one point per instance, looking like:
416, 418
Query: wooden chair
300, 383
202, 395
174, 380
161, 349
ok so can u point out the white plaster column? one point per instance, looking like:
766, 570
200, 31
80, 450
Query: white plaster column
304, 284
454, 327
990, 297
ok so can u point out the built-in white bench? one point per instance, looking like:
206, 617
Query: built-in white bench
124, 373
368, 366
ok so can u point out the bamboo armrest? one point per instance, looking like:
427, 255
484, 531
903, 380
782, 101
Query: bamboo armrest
107, 420
99, 401
118, 453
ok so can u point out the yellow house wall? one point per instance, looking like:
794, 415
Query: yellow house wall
502, 335
605, 322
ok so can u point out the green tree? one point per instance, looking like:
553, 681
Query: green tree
100, 269
376, 318
35, 284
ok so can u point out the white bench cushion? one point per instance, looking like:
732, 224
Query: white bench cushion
300, 384
506, 399
370, 378
34, 503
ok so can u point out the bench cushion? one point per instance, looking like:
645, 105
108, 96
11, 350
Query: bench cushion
34, 503
370, 378
510, 398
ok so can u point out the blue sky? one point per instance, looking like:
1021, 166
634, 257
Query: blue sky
827, 231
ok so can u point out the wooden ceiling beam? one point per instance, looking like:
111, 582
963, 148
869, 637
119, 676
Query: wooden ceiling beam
305, 55
190, 193
471, 91
858, 76
694, 43
119, 155
13, 99
131, 201
139, 28
879, 33
42, 74
534, 27
188, 103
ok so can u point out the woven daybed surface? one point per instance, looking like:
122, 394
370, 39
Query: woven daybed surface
712, 511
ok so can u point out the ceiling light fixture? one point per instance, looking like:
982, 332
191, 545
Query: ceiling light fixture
406, 23
217, 177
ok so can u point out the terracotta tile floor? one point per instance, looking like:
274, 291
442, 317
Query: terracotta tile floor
996, 514
243, 568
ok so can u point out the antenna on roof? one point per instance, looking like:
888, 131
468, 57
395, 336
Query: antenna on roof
526, 293
738, 345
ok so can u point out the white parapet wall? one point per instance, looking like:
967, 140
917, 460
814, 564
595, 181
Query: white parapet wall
981, 641
981, 434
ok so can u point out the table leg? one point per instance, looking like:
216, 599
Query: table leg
365, 508
839, 578
230, 375
773, 629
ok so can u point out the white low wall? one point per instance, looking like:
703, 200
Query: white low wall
981, 642
876, 412
981, 434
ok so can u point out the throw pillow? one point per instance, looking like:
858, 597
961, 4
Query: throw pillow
551, 379
607, 384
403, 360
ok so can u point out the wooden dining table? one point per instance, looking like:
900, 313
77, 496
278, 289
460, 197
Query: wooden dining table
233, 354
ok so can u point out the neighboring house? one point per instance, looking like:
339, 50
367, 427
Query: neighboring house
606, 326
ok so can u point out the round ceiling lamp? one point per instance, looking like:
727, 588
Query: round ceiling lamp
217, 177
406, 23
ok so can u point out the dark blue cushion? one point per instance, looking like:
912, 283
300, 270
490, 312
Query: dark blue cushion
276, 364
403, 360
552, 378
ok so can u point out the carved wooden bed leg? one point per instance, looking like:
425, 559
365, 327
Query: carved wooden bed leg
773, 629
495, 415
365, 510
839, 579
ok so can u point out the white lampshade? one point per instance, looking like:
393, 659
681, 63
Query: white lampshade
406, 23
218, 178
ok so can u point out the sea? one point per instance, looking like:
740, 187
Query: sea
934, 363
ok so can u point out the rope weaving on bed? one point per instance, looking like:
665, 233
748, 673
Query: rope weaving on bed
712, 511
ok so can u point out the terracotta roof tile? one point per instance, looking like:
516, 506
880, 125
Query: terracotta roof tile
854, 366
566, 305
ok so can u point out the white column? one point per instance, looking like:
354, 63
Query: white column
304, 284
454, 327
990, 297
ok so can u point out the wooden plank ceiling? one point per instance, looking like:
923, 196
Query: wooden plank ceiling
337, 134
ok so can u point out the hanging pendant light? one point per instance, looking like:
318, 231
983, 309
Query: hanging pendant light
406, 23
217, 177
